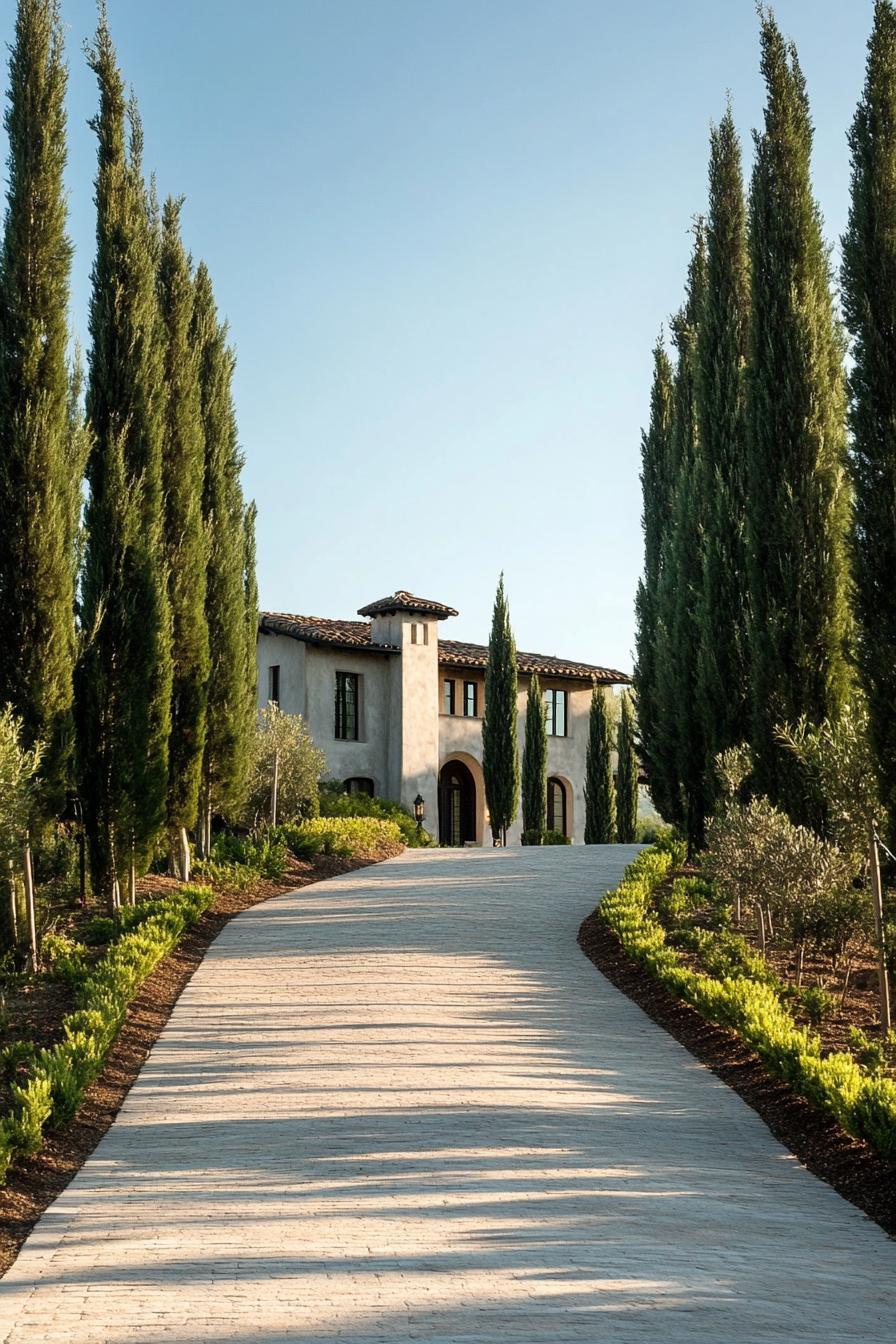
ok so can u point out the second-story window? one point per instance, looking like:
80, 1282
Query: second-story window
274, 684
448, 707
470, 699
347, 706
555, 704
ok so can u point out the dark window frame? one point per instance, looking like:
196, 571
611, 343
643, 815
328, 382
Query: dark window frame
363, 785
274, 684
554, 697
449, 696
468, 712
348, 707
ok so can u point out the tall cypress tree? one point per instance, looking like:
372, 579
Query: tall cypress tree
656, 486
626, 774
797, 494
681, 580
600, 792
500, 757
723, 685
41, 460
186, 544
124, 678
231, 707
535, 765
869, 302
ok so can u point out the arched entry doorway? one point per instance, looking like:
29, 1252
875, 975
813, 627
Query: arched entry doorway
457, 804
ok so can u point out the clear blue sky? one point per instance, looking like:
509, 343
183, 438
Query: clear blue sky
445, 233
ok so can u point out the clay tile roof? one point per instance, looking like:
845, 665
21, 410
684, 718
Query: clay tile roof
452, 653
319, 630
402, 601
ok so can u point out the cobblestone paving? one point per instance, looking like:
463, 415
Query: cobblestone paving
401, 1105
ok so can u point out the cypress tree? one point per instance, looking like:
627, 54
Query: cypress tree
869, 303
231, 708
797, 495
186, 545
679, 733
41, 460
600, 792
124, 678
626, 775
535, 765
723, 686
500, 758
656, 488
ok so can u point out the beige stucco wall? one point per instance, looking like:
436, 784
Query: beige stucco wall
405, 738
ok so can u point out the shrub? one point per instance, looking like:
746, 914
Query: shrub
864, 1104
335, 802
555, 838
58, 1076
263, 852
817, 1004
64, 958
536, 837
352, 837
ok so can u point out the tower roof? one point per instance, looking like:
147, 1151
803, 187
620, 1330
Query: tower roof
404, 601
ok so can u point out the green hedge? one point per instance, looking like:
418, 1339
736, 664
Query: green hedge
58, 1077
347, 837
864, 1103
334, 802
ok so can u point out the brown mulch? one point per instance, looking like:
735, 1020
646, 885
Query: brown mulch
849, 1165
34, 1182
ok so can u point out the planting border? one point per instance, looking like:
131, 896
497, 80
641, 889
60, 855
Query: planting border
60, 1075
862, 1103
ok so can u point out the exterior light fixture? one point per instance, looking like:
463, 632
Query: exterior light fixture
419, 811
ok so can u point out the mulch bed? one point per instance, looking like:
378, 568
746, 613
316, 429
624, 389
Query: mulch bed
849, 1165
34, 1182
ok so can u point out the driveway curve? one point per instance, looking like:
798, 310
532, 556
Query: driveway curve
401, 1105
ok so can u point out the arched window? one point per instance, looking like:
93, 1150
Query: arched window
556, 818
359, 785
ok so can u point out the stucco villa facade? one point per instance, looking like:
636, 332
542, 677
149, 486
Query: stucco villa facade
398, 710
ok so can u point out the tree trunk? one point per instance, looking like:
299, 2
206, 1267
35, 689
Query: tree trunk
132, 884
184, 854
761, 929
28, 873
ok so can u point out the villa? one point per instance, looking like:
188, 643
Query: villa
398, 710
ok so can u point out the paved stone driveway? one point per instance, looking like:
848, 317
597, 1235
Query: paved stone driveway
402, 1105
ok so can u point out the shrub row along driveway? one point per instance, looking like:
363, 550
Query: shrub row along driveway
402, 1105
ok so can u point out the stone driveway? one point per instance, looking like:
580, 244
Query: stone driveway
401, 1105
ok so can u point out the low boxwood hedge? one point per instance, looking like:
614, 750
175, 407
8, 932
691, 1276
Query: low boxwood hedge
57, 1078
863, 1102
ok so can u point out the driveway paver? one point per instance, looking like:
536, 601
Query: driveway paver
401, 1105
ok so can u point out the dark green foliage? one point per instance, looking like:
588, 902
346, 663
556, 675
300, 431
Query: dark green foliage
230, 713
656, 484
723, 684
500, 757
626, 774
186, 545
679, 738
124, 678
41, 461
535, 763
798, 502
869, 303
600, 792
333, 801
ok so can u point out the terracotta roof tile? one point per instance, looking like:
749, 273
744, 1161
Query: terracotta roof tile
452, 652
404, 601
319, 630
